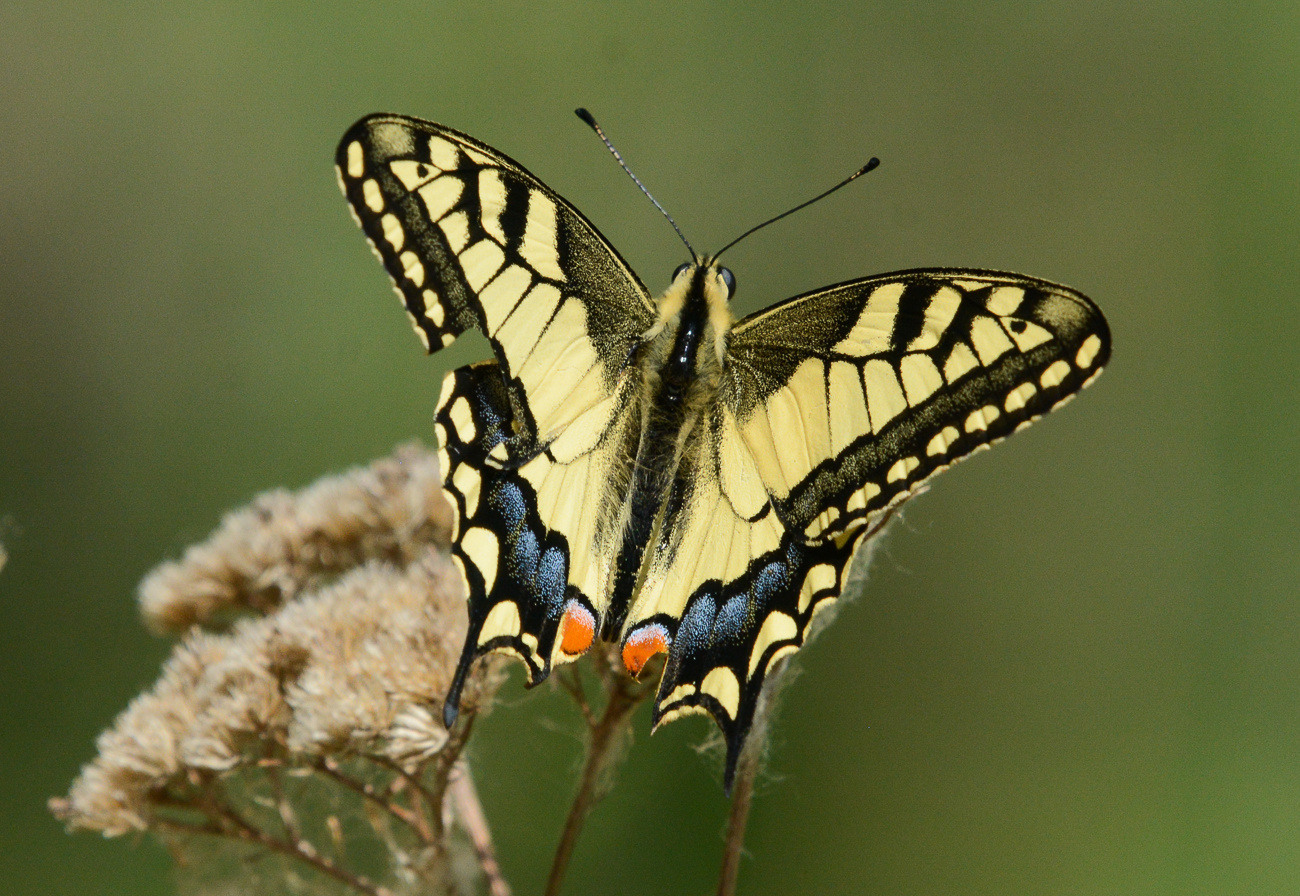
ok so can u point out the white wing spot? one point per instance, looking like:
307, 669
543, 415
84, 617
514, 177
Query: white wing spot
482, 547
1019, 396
902, 469
848, 405
492, 202
961, 361
477, 157
433, 308
440, 195
503, 619
870, 333
942, 441
468, 483
523, 328
1054, 375
584, 433
681, 692
374, 198
455, 227
394, 235
738, 477
443, 154
463, 419
538, 246
480, 262
724, 687
1031, 335
989, 339
356, 160
938, 317
858, 500
411, 173
1088, 352
412, 267
921, 378
819, 578
798, 414
501, 296
885, 399
776, 627
1005, 300
979, 420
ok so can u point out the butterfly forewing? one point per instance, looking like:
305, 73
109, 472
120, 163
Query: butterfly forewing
878, 384
470, 238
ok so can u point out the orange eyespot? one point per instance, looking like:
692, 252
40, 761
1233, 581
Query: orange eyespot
577, 629
642, 644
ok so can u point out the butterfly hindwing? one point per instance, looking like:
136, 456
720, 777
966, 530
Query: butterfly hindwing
516, 563
733, 634
471, 239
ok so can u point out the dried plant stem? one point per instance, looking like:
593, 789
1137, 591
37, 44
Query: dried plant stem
742, 795
463, 797
447, 759
225, 822
748, 764
329, 769
603, 740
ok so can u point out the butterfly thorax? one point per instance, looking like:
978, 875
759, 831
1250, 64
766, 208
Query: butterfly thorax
680, 362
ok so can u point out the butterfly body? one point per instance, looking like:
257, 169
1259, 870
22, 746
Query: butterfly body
653, 473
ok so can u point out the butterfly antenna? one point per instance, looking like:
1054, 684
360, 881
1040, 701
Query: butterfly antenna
852, 177
591, 122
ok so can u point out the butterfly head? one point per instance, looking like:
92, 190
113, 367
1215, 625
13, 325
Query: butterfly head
698, 299
717, 283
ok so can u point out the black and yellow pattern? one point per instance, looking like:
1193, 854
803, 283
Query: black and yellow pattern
654, 473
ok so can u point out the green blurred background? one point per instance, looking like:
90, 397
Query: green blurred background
1075, 668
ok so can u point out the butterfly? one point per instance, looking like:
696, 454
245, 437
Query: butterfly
653, 472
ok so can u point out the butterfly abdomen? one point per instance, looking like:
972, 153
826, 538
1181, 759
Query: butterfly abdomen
680, 380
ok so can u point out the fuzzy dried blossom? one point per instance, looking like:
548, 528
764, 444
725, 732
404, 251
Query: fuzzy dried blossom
285, 542
325, 697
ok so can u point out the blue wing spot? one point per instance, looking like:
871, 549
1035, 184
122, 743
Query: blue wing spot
730, 622
524, 556
507, 500
769, 583
552, 575
693, 632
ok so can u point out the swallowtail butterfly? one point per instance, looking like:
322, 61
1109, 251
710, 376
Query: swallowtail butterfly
654, 472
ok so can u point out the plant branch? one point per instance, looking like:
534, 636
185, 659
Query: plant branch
330, 769
463, 797
604, 735
224, 821
742, 795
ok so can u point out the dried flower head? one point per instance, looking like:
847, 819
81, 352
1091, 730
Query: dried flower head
285, 542
329, 688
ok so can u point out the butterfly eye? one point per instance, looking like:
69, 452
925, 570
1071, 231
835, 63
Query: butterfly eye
730, 280
680, 268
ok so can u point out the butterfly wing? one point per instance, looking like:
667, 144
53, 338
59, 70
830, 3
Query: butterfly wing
836, 406
471, 239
